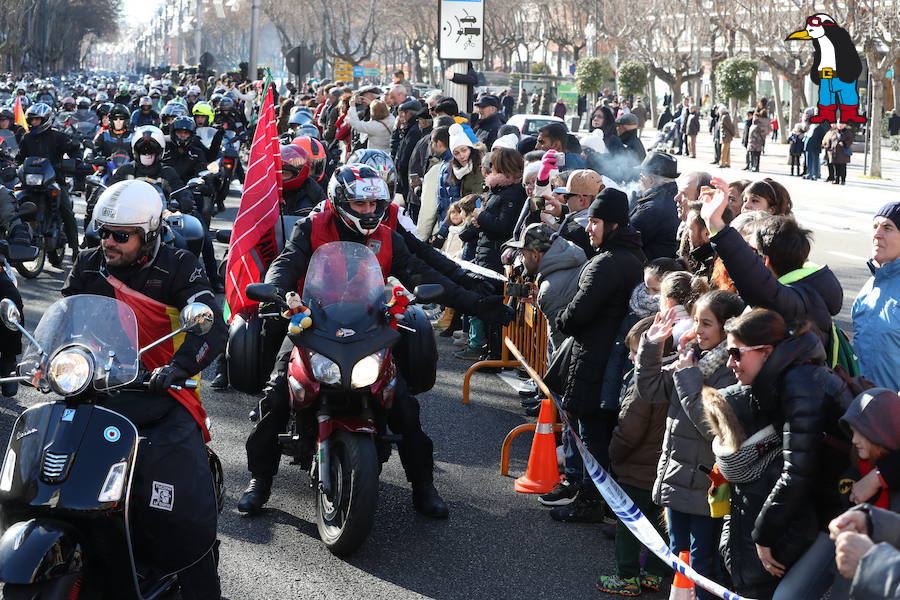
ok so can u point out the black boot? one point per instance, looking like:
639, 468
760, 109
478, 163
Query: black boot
220, 380
427, 501
256, 495
586, 508
8, 388
20, 235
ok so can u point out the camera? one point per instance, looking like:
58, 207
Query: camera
517, 290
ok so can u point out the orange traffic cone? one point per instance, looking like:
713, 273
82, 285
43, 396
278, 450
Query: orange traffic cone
682, 587
542, 474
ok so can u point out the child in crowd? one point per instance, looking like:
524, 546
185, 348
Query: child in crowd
873, 419
677, 292
634, 453
795, 141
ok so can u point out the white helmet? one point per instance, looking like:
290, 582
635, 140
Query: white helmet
130, 203
146, 134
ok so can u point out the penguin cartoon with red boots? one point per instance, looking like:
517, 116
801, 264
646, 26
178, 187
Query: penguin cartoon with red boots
297, 313
836, 69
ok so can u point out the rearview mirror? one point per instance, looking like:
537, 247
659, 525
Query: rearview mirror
94, 180
10, 314
262, 292
197, 318
195, 182
428, 292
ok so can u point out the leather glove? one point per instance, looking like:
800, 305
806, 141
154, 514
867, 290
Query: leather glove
166, 376
491, 309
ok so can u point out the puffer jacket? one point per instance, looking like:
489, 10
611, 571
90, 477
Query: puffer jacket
680, 484
558, 281
738, 550
812, 293
593, 316
496, 222
656, 217
637, 439
805, 400
876, 325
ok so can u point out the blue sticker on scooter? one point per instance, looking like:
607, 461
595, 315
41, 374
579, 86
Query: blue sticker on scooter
68, 414
112, 434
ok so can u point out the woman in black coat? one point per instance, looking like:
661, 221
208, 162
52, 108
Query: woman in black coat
792, 390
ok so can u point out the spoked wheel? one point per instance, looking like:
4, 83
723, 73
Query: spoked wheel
345, 518
30, 269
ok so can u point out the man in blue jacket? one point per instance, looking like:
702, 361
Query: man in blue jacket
876, 312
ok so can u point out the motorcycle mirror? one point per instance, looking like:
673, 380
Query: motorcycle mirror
197, 318
10, 314
428, 292
94, 180
195, 182
263, 292
27, 210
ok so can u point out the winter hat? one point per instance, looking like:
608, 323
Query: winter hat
507, 141
891, 210
610, 205
461, 135
595, 142
876, 415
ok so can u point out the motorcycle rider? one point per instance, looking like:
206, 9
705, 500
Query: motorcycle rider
51, 144
102, 112
133, 266
189, 161
147, 145
300, 193
360, 199
204, 115
7, 121
228, 118
110, 140
171, 111
83, 111
144, 115
10, 341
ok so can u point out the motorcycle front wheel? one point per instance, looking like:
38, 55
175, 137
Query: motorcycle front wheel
29, 269
345, 520
67, 587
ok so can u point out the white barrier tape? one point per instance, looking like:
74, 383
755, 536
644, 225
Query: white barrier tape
634, 519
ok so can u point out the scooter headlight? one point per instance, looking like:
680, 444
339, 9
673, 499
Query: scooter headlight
9, 467
366, 371
35, 179
70, 371
324, 369
114, 483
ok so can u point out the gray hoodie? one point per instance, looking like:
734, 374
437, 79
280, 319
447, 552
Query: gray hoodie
558, 281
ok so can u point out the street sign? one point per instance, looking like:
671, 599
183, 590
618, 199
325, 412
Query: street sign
572, 68
461, 35
342, 70
371, 69
358, 72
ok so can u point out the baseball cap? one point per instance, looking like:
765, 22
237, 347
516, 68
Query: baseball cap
411, 105
370, 89
488, 100
583, 182
535, 237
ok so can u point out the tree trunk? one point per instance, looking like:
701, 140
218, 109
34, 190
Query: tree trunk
651, 84
875, 116
896, 86
798, 102
783, 124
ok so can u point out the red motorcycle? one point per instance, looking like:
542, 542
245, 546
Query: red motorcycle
343, 370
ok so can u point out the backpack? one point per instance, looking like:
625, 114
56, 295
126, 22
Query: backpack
841, 352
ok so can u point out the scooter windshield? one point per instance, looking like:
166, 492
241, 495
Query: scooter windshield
206, 135
103, 327
344, 288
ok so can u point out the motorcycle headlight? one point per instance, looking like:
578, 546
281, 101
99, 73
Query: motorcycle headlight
114, 483
324, 369
70, 371
365, 372
9, 466
34, 179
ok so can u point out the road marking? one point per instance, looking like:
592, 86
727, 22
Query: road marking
853, 257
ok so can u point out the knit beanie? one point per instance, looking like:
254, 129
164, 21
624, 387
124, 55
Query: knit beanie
459, 136
611, 205
891, 210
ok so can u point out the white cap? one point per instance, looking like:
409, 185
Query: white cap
595, 142
459, 138
507, 141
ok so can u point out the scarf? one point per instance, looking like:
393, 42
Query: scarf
499, 180
642, 303
748, 462
713, 359
460, 172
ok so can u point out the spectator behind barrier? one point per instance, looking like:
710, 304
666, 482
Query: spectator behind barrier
654, 214
876, 333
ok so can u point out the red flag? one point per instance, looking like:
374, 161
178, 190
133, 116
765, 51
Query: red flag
253, 243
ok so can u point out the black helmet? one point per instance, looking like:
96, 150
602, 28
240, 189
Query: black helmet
121, 111
41, 110
358, 182
103, 109
83, 102
6, 113
184, 123
380, 162
226, 103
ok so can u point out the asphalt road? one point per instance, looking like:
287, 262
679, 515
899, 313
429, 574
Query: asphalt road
496, 543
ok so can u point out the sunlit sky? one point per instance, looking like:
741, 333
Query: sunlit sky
139, 11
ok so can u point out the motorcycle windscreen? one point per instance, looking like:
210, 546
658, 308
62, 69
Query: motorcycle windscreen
206, 135
8, 141
344, 288
103, 327
86, 129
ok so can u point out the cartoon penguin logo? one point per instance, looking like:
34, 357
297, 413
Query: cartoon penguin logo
836, 68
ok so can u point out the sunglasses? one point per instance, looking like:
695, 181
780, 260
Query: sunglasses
120, 237
736, 352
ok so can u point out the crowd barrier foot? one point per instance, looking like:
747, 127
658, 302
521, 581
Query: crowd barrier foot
467, 380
